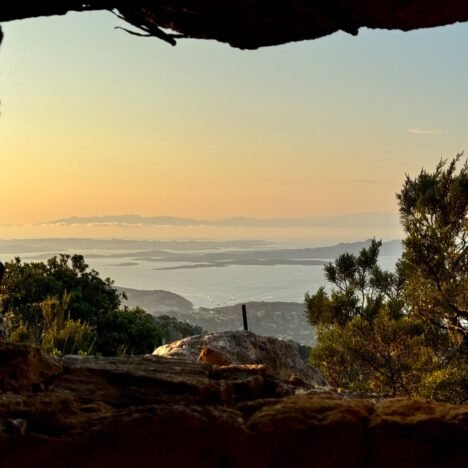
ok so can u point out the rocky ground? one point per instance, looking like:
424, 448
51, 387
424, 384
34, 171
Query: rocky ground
165, 411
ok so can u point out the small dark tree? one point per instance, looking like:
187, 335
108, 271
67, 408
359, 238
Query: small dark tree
360, 289
128, 331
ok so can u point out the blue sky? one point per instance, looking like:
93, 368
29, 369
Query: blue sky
97, 122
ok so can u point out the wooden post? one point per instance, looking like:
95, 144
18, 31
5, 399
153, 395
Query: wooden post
244, 317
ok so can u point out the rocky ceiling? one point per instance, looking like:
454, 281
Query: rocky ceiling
250, 24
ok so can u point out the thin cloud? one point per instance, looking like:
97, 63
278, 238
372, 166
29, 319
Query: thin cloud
366, 181
426, 131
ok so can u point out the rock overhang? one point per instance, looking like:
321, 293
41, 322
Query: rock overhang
250, 24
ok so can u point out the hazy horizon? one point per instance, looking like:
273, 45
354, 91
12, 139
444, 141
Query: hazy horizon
246, 221
309, 231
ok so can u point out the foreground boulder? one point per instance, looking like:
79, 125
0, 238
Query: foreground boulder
156, 411
242, 347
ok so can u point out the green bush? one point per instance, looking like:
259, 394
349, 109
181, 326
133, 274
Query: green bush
128, 331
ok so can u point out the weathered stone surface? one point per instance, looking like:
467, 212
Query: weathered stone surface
427, 434
310, 431
242, 347
3, 330
250, 24
24, 366
155, 411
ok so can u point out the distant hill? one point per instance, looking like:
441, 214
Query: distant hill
284, 320
278, 319
362, 220
157, 302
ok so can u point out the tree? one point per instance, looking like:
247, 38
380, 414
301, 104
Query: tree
360, 289
64, 307
383, 355
61, 334
133, 331
434, 214
403, 332
365, 341
25, 285
56, 333
31, 293
171, 329
128, 331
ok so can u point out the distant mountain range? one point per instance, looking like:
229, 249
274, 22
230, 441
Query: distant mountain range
348, 220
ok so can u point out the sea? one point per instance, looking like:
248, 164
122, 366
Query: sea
211, 286
115, 252
219, 286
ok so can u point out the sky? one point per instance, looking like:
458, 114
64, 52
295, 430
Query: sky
95, 121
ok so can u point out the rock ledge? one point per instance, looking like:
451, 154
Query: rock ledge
157, 411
